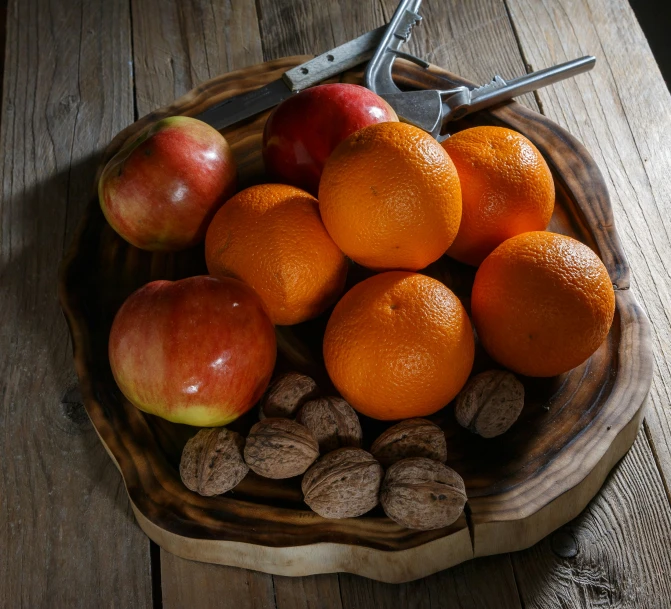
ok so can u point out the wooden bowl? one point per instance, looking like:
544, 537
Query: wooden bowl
521, 486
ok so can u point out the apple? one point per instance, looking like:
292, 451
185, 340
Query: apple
198, 351
160, 191
302, 132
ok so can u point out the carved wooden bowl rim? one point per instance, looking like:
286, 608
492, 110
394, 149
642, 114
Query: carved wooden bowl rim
169, 513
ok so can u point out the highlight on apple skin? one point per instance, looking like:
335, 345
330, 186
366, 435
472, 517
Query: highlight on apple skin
160, 191
198, 351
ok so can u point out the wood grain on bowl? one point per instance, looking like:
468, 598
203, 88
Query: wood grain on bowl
521, 486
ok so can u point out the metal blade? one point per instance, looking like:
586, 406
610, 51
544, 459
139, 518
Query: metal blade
335, 61
326, 65
240, 107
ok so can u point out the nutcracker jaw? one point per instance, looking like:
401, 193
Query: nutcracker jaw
424, 109
432, 109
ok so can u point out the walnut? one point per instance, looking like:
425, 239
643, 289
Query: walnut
280, 448
419, 493
490, 403
333, 422
410, 438
212, 461
286, 394
343, 484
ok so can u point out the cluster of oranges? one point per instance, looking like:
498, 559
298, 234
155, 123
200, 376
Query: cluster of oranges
391, 198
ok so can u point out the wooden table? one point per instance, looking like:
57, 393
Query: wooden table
78, 71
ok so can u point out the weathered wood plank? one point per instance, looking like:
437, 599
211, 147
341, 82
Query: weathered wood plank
312, 592
482, 583
195, 584
68, 536
310, 27
615, 554
622, 113
177, 45
3, 36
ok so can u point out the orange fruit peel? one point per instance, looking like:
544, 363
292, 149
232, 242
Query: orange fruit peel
390, 197
542, 303
271, 237
506, 187
399, 345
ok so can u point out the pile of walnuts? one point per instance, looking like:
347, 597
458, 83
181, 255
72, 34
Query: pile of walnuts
404, 471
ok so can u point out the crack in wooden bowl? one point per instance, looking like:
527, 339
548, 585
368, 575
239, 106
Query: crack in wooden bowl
521, 486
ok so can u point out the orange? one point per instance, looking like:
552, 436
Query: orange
506, 187
399, 345
542, 303
390, 197
271, 237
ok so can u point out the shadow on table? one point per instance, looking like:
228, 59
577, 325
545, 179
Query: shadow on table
42, 400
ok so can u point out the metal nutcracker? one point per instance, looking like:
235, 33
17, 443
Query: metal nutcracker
431, 109
427, 109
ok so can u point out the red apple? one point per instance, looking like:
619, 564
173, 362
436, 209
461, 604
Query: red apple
303, 130
160, 191
198, 351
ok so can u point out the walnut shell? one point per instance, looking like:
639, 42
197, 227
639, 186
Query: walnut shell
286, 394
343, 484
212, 461
419, 493
410, 438
333, 422
280, 448
490, 403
